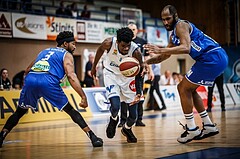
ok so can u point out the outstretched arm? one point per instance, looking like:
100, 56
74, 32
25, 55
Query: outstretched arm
72, 78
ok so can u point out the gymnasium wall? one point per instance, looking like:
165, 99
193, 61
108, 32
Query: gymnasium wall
208, 15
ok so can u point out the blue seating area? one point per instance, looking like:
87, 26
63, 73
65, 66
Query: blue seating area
100, 10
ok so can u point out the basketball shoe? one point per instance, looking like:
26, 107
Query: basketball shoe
189, 135
96, 141
111, 128
129, 134
207, 131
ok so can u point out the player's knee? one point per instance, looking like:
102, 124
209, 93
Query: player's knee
115, 105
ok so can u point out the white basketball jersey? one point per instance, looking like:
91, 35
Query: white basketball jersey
114, 57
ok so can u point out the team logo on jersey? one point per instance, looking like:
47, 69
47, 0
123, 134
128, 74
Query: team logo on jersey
207, 83
109, 89
132, 86
41, 66
115, 52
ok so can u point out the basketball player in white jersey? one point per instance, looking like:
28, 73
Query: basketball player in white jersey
120, 88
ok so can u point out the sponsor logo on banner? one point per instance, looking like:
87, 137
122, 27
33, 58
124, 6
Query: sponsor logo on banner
94, 32
5, 25
110, 29
81, 30
28, 26
57, 25
101, 101
9, 102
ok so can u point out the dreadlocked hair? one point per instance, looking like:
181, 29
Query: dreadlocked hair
125, 35
62, 36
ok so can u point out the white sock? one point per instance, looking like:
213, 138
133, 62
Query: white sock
127, 127
190, 121
114, 118
205, 117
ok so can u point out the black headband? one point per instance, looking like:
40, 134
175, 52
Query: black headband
69, 39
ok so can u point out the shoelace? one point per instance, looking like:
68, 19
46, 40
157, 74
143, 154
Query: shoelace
184, 127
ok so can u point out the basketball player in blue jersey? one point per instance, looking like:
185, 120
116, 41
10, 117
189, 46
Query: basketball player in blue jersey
211, 60
43, 78
120, 88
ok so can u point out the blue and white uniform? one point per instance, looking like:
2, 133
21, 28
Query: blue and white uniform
44, 80
116, 84
211, 59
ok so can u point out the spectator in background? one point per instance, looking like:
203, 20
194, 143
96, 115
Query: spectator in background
219, 82
68, 11
88, 79
175, 77
17, 81
85, 14
61, 10
5, 83
155, 86
167, 79
74, 9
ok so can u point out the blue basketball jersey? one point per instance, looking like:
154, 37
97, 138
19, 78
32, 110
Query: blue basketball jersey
200, 42
51, 60
211, 59
44, 80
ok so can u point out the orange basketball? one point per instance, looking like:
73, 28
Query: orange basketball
129, 67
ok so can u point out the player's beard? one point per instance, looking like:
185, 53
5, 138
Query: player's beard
69, 50
172, 24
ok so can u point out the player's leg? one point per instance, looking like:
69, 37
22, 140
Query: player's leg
209, 129
127, 128
114, 118
156, 86
209, 101
28, 98
11, 122
219, 83
123, 114
78, 119
113, 93
151, 97
51, 92
185, 90
140, 114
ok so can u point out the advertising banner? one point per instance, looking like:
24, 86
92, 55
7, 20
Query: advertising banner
234, 89
55, 25
98, 101
5, 25
29, 26
95, 32
9, 103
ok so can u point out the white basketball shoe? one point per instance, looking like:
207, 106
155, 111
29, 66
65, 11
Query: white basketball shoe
189, 135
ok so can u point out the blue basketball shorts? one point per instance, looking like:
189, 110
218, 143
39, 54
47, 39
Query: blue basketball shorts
37, 85
207, 67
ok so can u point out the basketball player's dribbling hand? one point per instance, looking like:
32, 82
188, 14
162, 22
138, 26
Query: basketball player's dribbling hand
83, 103
136, 99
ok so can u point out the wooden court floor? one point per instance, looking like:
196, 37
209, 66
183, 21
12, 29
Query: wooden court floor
63, 139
